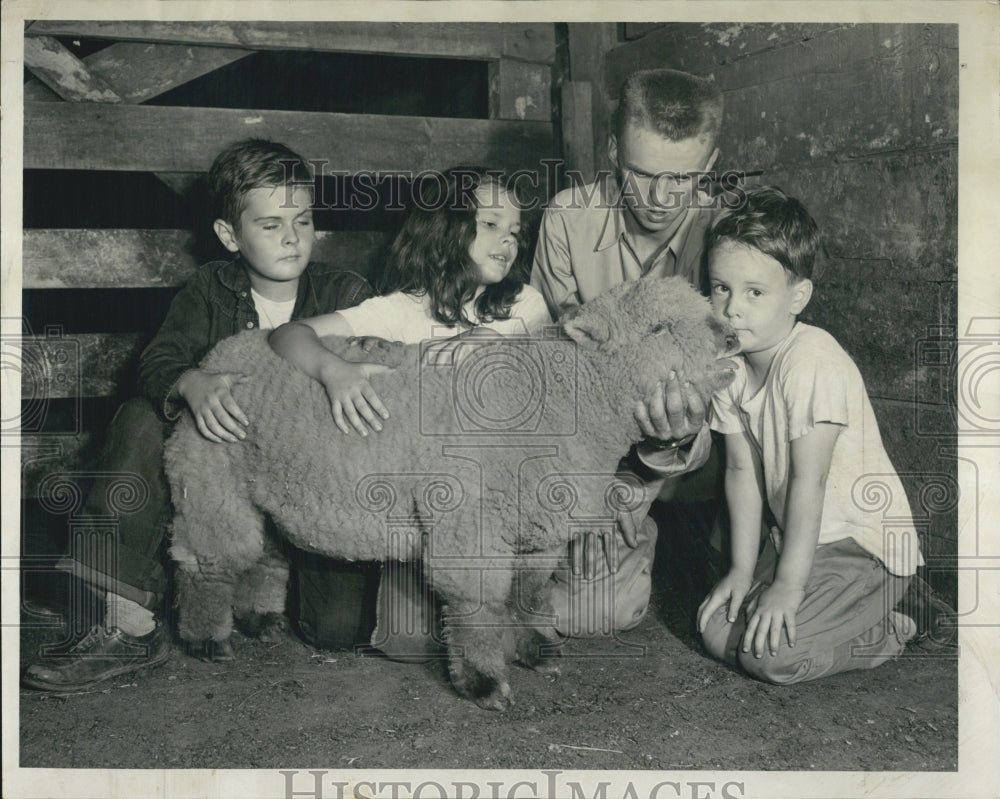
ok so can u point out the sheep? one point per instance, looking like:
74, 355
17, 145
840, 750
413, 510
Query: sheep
478, 472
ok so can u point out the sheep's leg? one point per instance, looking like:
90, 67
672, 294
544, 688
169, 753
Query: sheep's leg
536, 642
205, 615
259, 594
217, 534
476, 620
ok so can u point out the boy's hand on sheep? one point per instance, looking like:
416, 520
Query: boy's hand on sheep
209, 396
674, 412
352, 399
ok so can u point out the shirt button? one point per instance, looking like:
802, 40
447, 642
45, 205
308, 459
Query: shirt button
250, 325
243, 294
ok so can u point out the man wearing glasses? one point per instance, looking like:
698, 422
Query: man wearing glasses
649, 222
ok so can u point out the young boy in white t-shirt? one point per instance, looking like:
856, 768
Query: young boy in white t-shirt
834, 587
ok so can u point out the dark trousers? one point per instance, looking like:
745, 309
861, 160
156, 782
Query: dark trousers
128, 508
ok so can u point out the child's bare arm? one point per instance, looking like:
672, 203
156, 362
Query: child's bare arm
451, 351
352, 398
745, 499
777, 605
209, 396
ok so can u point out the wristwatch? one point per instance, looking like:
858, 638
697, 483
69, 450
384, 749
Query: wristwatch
660, 444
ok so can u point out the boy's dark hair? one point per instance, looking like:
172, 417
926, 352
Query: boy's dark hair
430, 255
252, 164
677, 105
775, 224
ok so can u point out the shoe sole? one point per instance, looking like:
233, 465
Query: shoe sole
40, 685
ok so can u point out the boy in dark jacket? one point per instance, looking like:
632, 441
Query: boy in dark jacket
262, 197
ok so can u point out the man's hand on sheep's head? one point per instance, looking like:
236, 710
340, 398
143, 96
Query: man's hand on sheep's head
352, 399
674, 413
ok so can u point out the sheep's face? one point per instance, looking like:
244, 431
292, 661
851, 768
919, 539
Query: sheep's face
651, 327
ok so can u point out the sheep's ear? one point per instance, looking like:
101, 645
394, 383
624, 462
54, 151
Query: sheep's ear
587, 328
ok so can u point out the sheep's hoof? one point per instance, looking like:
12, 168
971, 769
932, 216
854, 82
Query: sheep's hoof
537, 651
548, 667
211, 651
500, 698
488, 692
268, 627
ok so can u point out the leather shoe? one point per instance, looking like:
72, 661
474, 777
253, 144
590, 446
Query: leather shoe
935, 620
101, 654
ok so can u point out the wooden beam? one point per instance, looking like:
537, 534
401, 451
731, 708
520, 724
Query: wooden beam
529, 42
154, 258
173, 139
589, 45
106, 258
703, 48
76, 365
577, 128
130, 72
520, 90
636, 30
64, 73
37, 92
138, 71
180, 182
474, 40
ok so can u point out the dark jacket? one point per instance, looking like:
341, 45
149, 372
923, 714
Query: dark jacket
216, 304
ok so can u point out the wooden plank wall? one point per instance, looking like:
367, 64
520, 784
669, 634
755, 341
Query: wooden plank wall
861, 123
88, 114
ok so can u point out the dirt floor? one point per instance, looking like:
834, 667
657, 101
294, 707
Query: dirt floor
651, 700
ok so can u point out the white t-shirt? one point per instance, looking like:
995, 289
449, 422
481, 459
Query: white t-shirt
812, 380
272, 314
404, 317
